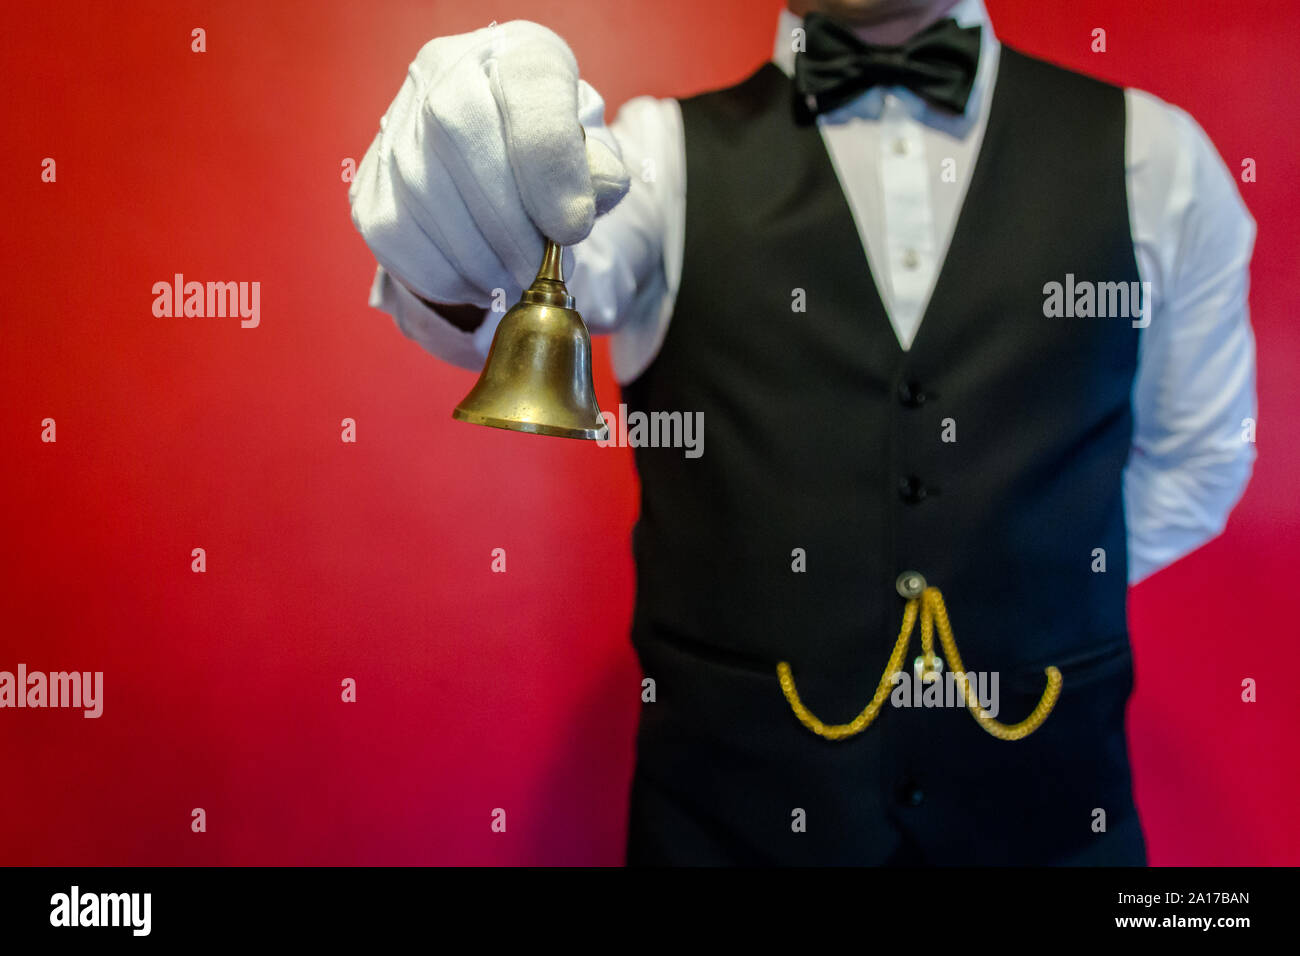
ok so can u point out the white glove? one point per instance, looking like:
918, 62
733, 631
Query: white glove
481, 155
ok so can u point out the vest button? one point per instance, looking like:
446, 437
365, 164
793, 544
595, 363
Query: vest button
911, 489
910, 584
910, 794
911, 394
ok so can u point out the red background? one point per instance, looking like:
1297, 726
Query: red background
329, 560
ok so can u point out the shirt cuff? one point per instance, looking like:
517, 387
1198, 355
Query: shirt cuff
428, 329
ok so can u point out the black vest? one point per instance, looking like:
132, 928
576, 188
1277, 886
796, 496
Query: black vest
822, 434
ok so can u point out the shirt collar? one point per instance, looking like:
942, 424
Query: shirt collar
967, 13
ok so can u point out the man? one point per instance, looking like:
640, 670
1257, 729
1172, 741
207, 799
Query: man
969, 335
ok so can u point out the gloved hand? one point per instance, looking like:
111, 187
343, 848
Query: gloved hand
481, 155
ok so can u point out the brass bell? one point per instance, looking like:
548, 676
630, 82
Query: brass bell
537, 377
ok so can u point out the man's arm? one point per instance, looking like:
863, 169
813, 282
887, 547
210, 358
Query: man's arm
493, 144
1195, 389
622, 276
477, 159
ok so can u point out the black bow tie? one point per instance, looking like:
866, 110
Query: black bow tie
937, 64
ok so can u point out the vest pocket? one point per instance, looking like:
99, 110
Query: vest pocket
1107, 660
704, 651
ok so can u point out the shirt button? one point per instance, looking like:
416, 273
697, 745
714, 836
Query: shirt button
910, 259
911, 394
911, 489
900, 146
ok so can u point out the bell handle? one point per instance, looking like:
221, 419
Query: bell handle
552, 262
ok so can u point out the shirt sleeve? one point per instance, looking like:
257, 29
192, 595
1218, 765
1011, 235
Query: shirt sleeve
629, 268
617, 275
1194, 400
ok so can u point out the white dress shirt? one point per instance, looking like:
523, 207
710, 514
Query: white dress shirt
904, 167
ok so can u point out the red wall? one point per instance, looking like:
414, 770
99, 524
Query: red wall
371, 560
